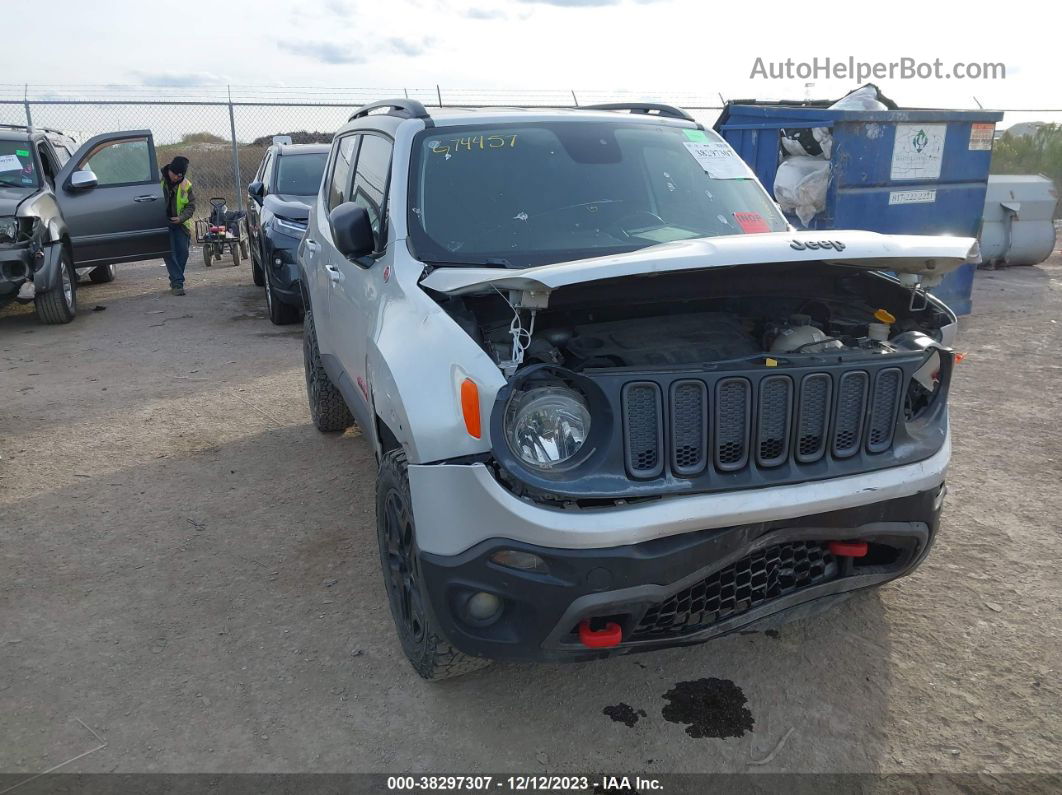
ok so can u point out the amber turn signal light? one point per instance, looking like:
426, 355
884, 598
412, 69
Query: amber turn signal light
470, 407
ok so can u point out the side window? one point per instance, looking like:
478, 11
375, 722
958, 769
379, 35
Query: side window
370, 180
267, 172
120, 162
48, 164
62, 154
339, 184
261, 169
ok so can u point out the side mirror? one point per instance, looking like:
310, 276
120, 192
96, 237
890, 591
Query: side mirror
83, 180
352, 230
256, 190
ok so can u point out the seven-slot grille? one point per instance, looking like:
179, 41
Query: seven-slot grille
778, 419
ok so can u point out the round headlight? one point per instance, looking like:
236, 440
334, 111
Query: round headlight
546, 426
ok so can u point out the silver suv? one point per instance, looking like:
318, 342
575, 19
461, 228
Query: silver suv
617, 402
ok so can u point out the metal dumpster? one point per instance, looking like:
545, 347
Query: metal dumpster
919, 172
1018, 226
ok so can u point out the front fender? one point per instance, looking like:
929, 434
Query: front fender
44, 206
47, 276
415, 366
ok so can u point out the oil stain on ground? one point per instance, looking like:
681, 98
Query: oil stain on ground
624, 713
712, 708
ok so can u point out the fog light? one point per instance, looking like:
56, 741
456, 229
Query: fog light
482, 606
278, 261
525, 561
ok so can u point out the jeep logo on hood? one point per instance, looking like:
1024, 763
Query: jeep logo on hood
836, 245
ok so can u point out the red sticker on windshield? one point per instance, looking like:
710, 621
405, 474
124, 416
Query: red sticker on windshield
751, 223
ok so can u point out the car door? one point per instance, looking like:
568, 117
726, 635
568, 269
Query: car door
319, 252
254, 210
122, 217
354, 292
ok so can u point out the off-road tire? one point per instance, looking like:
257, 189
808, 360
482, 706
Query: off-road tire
280, 314
328, 410
430, 654
102, 274
257, 274
54, 306
207, 255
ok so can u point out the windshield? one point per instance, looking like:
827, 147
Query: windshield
300, 175
537, 193
18, 169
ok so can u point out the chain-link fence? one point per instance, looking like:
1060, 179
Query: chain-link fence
222, 163
224, 131
226, 137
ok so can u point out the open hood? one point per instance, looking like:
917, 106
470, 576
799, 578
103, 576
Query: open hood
926, 258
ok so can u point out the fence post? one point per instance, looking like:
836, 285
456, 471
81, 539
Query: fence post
26, 105
235, 155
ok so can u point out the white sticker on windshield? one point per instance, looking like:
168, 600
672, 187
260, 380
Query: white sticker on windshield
718, 160
10, 163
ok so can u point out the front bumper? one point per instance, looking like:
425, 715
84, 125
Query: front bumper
284, 275
458, 506
676, 590
17, 264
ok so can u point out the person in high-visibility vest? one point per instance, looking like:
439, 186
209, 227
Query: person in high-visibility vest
180, 207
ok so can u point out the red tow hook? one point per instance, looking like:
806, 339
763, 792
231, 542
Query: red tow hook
848, 549
605, 638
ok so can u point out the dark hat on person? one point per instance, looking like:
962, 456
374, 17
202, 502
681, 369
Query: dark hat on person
179, 165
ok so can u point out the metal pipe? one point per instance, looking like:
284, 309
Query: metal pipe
235, 155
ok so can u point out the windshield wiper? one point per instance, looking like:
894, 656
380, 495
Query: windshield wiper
486, 262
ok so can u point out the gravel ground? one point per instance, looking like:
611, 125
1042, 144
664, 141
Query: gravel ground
188, 570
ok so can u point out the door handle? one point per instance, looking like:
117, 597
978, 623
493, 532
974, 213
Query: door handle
146, 198
334, 273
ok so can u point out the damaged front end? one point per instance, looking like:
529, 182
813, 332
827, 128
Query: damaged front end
689, 381
23, 254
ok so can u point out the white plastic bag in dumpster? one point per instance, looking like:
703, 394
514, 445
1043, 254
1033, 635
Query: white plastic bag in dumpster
824, 140
800, 186
864, 98
808, 142
800, 143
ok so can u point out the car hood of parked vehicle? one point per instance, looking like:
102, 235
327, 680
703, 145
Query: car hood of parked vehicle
288, 205
11, 198
928, 257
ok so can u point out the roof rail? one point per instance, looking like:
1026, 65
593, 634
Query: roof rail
405, 108
28, 127
646, 108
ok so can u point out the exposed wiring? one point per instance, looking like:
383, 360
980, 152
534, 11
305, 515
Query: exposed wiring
521, 336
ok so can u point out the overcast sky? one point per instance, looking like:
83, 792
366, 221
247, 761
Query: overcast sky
655, 47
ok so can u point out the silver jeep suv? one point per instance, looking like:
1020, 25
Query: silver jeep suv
617, 402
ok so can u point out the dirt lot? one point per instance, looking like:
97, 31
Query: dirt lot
189, 569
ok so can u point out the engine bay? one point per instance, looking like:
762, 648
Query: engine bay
702, 318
